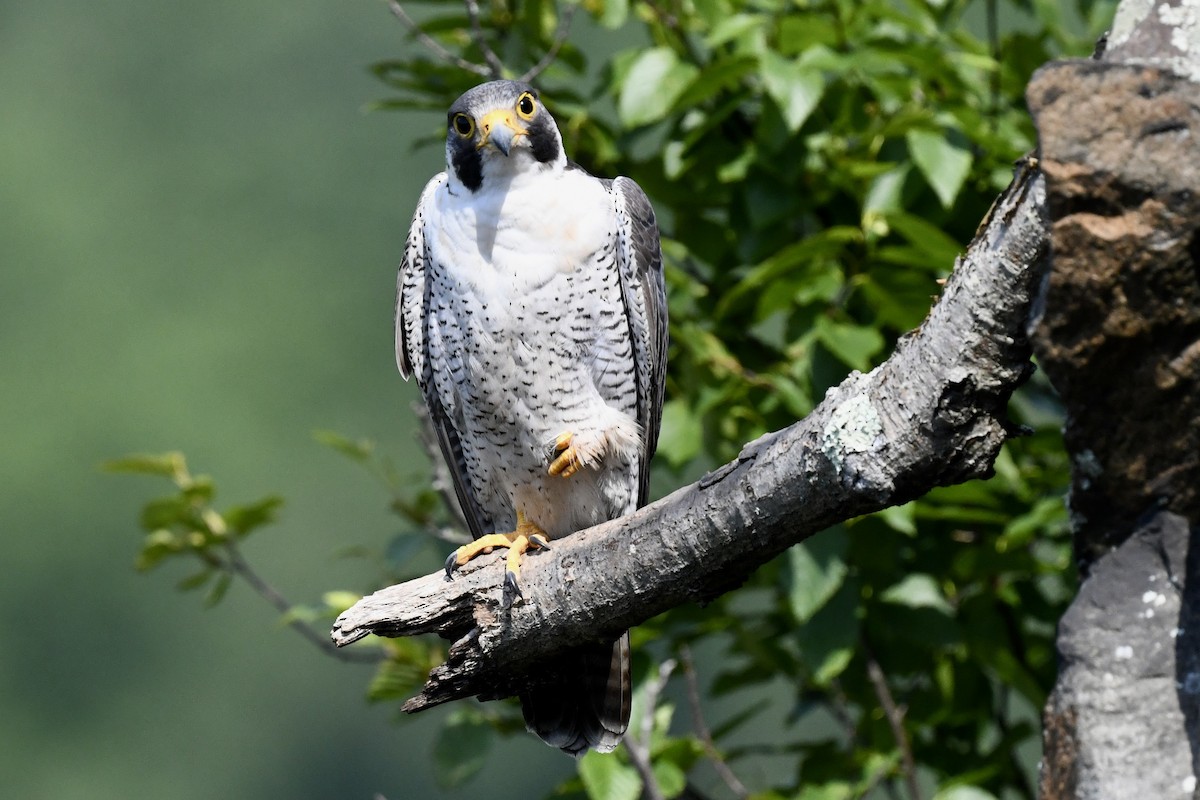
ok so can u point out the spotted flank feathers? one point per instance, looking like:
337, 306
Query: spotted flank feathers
531, 310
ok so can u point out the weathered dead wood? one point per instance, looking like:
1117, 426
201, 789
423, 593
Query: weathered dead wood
933, 414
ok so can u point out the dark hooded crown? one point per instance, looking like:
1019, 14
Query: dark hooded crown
463, 152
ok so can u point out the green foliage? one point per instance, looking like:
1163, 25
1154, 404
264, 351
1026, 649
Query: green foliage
185, 524
816, 168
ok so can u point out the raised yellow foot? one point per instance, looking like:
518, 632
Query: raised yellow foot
567, 461
527, 535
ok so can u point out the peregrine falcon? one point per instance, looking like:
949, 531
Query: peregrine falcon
532, 312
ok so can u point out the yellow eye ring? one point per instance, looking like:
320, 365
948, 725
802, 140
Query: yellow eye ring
463, 125
526, 105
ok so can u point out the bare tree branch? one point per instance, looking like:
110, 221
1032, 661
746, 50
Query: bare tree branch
237, 565
710, 748
433, 45
933, 414
638, 746
560, 38
895, 718
495, 65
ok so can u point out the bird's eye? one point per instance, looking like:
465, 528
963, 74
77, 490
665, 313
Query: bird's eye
464, 126
526, 105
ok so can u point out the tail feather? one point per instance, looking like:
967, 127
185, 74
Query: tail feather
584, 700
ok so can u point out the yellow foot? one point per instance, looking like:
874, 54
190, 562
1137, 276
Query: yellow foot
526, 536
567, 461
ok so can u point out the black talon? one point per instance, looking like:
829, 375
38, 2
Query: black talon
510, 584
451, 563
540, 541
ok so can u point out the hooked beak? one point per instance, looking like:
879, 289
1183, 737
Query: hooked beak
499, 130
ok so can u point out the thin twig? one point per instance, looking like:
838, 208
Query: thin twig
702, 730
638, 746
895, 718
839, 708
433, 45
238, 565
495, 65
560, 38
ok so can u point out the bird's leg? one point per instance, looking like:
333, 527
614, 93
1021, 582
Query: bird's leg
527, 536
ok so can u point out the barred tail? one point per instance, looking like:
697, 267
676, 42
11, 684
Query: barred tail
584, 701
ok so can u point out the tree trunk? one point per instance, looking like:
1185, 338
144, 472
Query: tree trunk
1118, 334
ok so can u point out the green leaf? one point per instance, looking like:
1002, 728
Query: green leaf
916, 591
681, 435
670, 778
613, 13
244, 519
195, 581
944, 165
885, 192
404, 672
815, 572
1045, 513
901, 518
720, 74
339, 601
806, 260
794, 87
655, 80
835, 790
606, 778
217, 591
734, 26
963, 793
931, 240
168, 512
461, 749
360, 450
828, 640
168, 465
854, 345
155, 547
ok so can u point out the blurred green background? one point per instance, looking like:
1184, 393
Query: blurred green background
199, 226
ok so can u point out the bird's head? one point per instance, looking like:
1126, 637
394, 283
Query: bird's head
500, 128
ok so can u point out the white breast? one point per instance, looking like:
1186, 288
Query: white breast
523, 270
507, 240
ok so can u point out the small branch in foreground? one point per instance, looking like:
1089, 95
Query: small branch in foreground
433, 45
839, 706
710, 748
638, 746
560, 38
489, 55
238, 565
895, 718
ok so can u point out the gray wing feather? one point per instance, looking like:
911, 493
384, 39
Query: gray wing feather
639, 260
413, 358
410, 290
